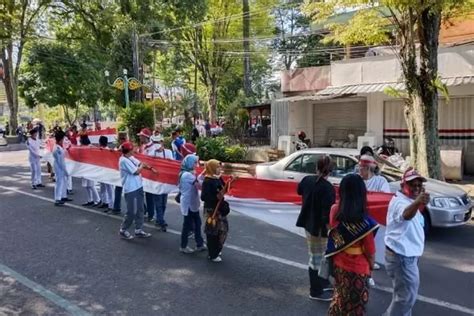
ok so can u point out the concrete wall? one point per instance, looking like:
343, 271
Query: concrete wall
300, 118
453, 61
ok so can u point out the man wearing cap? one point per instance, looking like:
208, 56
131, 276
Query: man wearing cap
34, 157
404, 241
373, 182
145, 142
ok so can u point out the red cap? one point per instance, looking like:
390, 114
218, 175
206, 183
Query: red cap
145, 132
127, 146
411, 174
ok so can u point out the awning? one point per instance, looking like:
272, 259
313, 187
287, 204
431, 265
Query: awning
311, 97
380, 87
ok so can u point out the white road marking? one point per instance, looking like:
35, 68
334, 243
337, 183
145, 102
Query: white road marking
50, 296
421, 298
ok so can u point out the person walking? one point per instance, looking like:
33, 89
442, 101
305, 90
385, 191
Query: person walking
117, 208
60, 171
159, 201
34, 158
189, 185
106, 190
404, 241
351, 247
318, 195
93, 198
213, 189
132, 184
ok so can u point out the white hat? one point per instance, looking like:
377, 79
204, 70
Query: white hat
156, 138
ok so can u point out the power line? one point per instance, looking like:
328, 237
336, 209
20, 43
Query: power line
225, 18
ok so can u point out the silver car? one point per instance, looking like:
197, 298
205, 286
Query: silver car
449, 206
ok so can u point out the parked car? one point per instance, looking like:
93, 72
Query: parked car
449, 206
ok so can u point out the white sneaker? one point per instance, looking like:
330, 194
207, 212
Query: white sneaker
376, 266
186, 250
217, 259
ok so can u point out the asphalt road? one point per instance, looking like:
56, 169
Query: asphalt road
70, 260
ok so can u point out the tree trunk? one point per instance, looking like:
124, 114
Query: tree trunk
421, 106
246, 47
10, 84
213, 104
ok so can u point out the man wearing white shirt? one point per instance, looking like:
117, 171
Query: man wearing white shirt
404, 240
34, 157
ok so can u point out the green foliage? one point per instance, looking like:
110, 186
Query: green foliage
57, 75
220, 148
136, 117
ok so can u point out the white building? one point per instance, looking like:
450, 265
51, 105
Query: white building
355, 103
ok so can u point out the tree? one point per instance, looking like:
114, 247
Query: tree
296, 42
416, 25
18, 19
57, 75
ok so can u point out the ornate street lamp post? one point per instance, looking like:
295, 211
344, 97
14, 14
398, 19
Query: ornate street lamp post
124, 83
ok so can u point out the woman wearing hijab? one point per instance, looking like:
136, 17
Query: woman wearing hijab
189, 185
212, 191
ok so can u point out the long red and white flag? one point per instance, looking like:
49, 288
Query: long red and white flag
272, 201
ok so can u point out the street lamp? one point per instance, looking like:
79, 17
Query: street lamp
124, 83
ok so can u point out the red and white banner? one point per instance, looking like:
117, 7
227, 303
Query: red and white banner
272, 201
110, 133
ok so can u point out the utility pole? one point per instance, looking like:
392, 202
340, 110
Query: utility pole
153, 85
246, 44
135, 61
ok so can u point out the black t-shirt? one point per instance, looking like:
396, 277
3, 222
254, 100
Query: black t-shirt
318, 196
210, 188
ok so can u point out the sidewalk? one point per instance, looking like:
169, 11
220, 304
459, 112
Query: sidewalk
13, 147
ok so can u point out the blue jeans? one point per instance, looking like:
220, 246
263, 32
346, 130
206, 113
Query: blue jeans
160, 202
118, 199
192, 220
405, 279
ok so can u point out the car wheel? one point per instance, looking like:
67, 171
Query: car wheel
427, 226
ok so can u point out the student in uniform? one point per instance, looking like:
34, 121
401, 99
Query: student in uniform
130, 169
106, 190
159, 202
93, 198
117, 207
34, 157
60, 187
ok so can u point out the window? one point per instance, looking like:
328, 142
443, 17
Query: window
342, 166
304, 163
295, 165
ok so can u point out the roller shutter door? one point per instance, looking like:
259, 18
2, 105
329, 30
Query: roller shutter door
334, 121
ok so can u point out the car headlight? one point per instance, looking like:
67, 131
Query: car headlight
442, 202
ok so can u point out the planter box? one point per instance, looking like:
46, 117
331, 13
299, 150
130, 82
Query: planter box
12, 139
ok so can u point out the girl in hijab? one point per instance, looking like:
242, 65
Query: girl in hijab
212, 191
189, 185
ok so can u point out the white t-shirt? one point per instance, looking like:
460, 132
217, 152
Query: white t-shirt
377, 184
128, 168
33, 148
405, 237
155, 151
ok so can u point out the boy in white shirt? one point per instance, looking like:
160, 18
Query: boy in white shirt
34, 157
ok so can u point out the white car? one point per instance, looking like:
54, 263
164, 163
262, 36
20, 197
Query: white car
449, 206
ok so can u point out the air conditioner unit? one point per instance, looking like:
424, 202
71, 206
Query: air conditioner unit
286, 143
